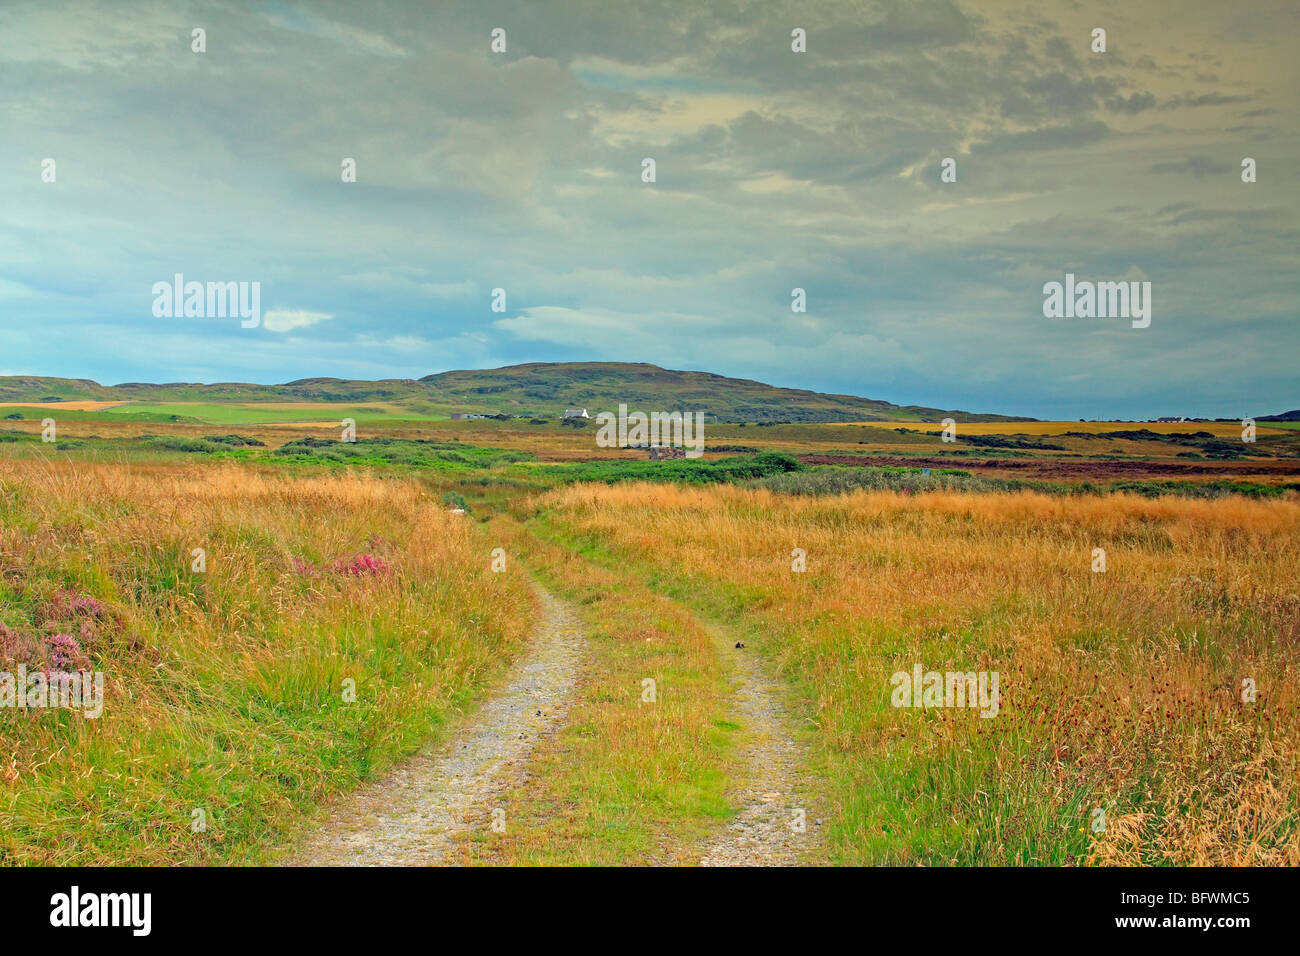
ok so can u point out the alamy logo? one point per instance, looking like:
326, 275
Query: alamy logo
75, 908
951, 689
39, 690
215, 300
656, 430
1098, 300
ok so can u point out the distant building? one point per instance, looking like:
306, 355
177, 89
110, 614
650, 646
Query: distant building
1167, 421
576, 413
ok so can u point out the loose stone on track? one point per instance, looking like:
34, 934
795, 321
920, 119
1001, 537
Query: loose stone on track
414, 815
764, 832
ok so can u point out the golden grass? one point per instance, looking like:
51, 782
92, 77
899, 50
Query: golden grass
1119, 690
1220, 429
224, 688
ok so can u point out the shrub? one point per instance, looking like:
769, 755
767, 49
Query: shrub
838, 480
239, 441
683, 470
180, 443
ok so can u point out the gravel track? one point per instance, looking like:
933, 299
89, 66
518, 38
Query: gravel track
764, 832
415, 814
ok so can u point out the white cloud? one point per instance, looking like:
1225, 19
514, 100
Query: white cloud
286, 320
352, 38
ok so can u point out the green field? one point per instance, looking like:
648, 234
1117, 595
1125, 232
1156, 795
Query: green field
215, 413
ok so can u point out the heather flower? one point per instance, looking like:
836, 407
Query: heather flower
18, 647
305, 568
87, 606
67, 603
362, 565
65, 653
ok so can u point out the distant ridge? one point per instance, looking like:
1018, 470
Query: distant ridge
535, 388
601, 386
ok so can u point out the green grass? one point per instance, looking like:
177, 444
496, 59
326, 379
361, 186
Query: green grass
623, 782
224, 689
220, 413
251, 414
735, 468
418, 453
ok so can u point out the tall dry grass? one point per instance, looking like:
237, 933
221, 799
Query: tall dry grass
1119, 690
225, 689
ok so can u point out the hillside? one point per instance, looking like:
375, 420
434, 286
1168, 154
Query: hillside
598, 386
538, 389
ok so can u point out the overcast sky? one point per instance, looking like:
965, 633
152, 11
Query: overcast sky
774, 170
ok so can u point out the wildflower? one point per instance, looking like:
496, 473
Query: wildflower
66, 603
65, 653
88, 606
361, 565
15, 646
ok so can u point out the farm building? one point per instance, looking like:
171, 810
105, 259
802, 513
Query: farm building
576, 413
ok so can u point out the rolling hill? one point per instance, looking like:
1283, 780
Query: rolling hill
535, 389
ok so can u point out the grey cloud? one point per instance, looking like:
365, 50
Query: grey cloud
775, 169
1197, 166
1204, 99
1135, 103
1048, 137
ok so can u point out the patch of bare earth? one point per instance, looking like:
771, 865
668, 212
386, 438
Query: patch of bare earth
767, 830
419, 812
